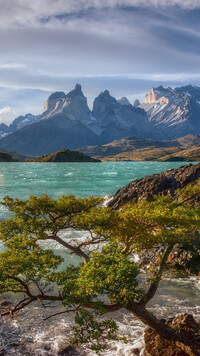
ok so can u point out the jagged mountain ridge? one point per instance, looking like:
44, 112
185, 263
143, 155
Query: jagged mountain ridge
68, 123
174, 112
17, 124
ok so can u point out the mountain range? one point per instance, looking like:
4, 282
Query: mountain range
68, 123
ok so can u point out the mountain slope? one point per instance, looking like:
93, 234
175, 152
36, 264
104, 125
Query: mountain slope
17, 124
112, 120
175, 113
47, 136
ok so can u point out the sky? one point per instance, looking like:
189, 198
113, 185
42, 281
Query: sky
124, 46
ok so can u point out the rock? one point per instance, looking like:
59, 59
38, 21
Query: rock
185, 257
161, 184
188, 328
135, 352
5, 303
71, 351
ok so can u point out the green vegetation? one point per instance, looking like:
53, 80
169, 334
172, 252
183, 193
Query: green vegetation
107, 266
65, 156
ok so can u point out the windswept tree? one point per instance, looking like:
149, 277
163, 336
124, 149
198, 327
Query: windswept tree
107, 265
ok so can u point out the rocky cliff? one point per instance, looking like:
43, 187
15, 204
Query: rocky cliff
112, 119
161, 184
73, 104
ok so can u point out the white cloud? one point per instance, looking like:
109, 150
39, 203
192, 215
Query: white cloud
30, 12
12, 66
7, 114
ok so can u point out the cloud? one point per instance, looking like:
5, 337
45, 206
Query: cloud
7, 114
29, 13
12, 66
125, 46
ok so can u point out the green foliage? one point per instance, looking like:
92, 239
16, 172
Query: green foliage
112, 273
88, 330
108, 268
146, 224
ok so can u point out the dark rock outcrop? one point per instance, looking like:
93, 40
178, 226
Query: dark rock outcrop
161, 184
187, 327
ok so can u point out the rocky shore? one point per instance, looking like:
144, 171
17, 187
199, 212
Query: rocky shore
161, 184
188, 327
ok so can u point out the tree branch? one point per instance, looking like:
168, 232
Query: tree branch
19, 280
155, 283
73, 249
161, 328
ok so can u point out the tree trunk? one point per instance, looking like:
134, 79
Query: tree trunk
162, 329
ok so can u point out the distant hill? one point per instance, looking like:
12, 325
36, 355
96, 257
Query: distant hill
6, 157
136, 149
65, 156
126, 144
191, 154
144, 154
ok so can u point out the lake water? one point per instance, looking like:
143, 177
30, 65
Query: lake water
81, 179
29, 334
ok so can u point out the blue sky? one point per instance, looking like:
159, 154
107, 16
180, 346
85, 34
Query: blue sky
125, 46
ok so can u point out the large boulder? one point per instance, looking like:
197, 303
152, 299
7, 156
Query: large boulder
188, 328
161, 184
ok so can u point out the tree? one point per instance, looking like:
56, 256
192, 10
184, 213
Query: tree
107, 265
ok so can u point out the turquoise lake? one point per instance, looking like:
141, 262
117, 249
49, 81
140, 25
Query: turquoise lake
80, 179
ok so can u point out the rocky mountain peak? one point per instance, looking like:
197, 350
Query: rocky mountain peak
136, 103
53, 99
77, 91
192, 91
105, 94
72, 104
78, 87
57, 95
159, 94
123, 101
